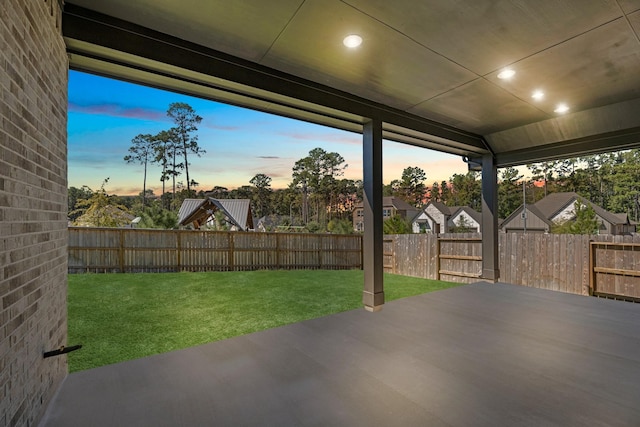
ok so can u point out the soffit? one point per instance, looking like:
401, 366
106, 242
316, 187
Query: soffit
437, 60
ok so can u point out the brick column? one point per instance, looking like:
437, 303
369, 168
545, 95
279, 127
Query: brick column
33, 205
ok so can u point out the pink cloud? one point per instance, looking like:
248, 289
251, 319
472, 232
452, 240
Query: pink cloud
341, 137
117, 110
211, 125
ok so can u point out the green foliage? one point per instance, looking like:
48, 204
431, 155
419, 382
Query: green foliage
74, 196
585, 222
100, 211
315, 177
340, 226
186, 142
155, 216
314, 227
396, 225
465, 191
142, 152
509, 192
462, 226
261, 197
119, 317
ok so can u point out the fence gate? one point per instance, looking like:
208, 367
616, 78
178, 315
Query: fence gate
615, 270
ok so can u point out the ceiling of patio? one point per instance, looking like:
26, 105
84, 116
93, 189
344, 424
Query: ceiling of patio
428, 69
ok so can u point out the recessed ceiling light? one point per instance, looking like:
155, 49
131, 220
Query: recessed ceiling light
506, 74
561, 108
537, 95
352, 40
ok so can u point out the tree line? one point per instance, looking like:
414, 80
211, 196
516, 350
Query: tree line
319, 198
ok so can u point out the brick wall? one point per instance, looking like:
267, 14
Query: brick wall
33, 237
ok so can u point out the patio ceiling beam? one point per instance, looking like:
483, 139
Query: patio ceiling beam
595, 144
102, 31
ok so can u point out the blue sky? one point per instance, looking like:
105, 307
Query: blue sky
106, 114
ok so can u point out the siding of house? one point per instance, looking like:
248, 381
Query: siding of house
534, 224
454, 221
438, 217
33, 207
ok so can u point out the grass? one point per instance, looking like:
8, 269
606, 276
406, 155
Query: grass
118, 317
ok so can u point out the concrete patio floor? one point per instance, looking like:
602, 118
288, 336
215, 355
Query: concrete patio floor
477, 355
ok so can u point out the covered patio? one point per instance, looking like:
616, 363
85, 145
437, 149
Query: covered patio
477, 355
429, 74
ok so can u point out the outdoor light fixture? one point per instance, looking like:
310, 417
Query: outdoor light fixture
537, 95
561, 108
352, 41
506, 74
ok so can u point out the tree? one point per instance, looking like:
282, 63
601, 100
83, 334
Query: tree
142, 152
465, 191
315, 175
585, 222
262, 194
396, 225
412, 185
186, 119
626, 184
74, 196
462, 226
509, 192
99, 211
165, 156
154, 216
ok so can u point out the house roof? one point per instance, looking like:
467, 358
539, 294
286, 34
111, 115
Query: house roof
187, 207
532, 209
477, 216
551, 205
237, 211
396, 202
446, 210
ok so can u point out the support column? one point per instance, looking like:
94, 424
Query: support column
372, 251
490, 262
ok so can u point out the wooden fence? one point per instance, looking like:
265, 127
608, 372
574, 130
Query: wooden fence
586, 265
131, 250
615, 269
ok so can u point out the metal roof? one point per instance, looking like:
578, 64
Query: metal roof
237, 211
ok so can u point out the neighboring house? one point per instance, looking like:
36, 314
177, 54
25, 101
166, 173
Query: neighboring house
557, 208
440, 218
200, 212
467, 218
390, 206
271, 222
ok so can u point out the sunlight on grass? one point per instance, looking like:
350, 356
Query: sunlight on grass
119, 317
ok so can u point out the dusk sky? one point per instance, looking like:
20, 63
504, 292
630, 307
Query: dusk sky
106, 114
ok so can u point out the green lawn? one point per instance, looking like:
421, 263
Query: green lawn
119, 317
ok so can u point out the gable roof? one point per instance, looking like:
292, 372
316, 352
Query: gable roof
237, 211
551, 205
532, 209
396, 202
477, 216
548, 207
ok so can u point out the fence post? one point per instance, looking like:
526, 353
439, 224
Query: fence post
437, 257
121, 251
178, 250
231, 250
277, 250
592, 273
